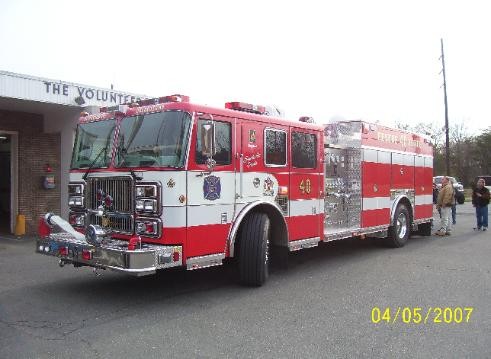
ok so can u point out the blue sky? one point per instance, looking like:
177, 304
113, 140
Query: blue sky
372, 60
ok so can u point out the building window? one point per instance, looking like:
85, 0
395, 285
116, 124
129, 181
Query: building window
223, 136
275, 147
304, 154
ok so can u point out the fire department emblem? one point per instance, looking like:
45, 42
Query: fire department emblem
268, 189
211, 188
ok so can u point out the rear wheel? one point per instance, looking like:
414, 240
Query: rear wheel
401, 226
254, 250
460, 198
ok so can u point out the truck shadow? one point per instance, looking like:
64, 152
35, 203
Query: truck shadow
112, 288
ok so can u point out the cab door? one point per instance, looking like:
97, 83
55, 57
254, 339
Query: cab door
306, 214
210, 189
250, 162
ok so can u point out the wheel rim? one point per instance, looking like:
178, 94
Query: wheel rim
401, 225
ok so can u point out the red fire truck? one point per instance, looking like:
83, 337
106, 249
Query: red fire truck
166, 183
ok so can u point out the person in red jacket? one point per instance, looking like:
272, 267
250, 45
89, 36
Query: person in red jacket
480, 200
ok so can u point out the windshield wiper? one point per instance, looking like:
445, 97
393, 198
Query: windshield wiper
122, 152
84, 177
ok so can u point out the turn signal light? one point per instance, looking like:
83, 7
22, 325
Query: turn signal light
86, 254
63, 251
283, 190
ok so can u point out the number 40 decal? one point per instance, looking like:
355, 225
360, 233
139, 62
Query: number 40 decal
305, 186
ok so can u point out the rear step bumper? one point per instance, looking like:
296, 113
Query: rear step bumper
111, 254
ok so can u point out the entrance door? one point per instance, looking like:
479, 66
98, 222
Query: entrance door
5, 183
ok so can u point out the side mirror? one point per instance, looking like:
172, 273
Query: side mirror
208, 139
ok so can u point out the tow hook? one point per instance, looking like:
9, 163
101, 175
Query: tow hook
61, 263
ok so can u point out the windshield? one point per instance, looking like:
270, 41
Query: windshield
93, 142
153, 140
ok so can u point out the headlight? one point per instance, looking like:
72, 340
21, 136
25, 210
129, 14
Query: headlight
146, 191
147, 227
76, 219
146, 205
147, 198
76, 195
75, 201
75, 189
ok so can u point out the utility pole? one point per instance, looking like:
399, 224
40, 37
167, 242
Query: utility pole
447, 142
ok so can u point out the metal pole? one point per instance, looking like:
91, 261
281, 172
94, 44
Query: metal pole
447, 142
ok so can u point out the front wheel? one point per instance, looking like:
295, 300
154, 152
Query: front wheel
254, 250
401, 226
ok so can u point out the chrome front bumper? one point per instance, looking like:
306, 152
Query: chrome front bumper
111, 254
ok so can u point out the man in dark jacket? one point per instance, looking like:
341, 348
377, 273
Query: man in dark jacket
480, 200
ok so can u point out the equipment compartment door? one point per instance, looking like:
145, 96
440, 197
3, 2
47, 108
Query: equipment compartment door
343, 189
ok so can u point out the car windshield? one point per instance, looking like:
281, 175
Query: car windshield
438, 180
93, 143
153, 140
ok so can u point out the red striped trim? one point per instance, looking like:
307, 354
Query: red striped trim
423, 211
375, 217
207, 239
301, 227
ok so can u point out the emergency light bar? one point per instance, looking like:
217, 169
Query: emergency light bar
246, 107
146, 102
306, 119
164, 99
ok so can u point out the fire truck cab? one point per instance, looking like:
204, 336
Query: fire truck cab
167, 183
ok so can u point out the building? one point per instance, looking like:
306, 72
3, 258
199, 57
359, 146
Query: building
38, 118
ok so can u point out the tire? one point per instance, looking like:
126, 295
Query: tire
460, 198
400, 229
254, 250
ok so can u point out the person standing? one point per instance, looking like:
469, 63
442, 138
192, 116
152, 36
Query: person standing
480, 200
444, 202
454, 208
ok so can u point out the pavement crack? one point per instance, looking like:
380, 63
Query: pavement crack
44, 329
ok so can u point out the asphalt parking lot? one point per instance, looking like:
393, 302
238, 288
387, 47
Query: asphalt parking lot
338, 300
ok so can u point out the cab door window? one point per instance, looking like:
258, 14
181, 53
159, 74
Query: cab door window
223, 142
275, 147
304, 153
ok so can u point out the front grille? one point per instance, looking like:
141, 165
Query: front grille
117, 223
119, 188
119, 215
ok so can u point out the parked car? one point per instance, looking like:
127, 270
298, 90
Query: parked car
458, 187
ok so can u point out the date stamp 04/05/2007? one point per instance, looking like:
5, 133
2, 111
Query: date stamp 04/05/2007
419, 315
